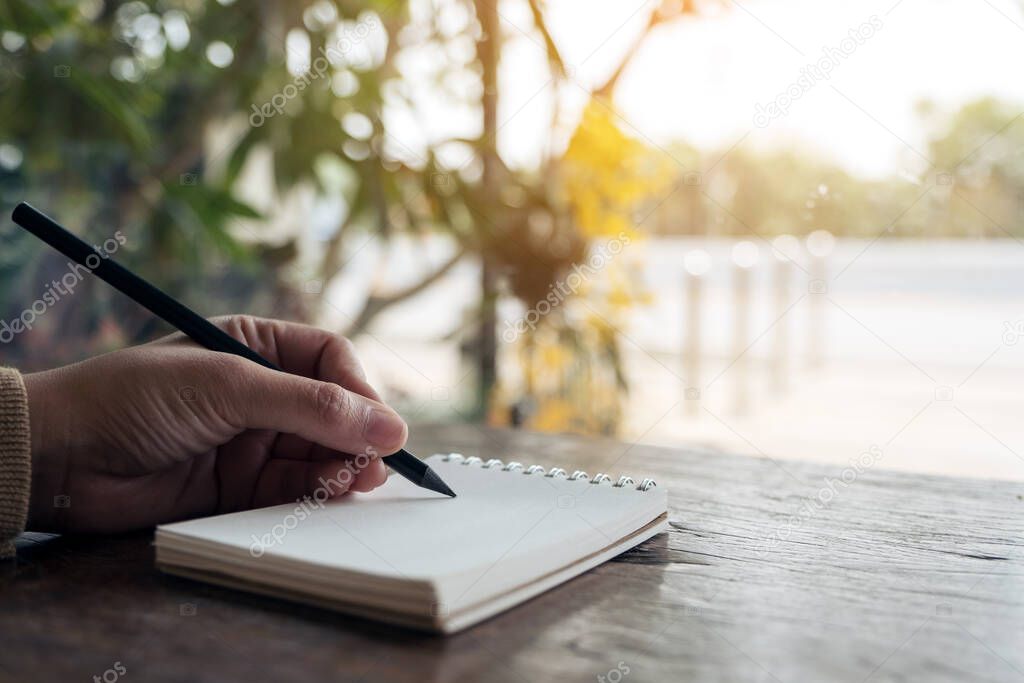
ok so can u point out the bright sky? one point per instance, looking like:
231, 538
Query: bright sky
700, 78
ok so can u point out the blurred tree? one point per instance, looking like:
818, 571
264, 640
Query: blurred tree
155, 116
972, 188
210, 132
979, 157
567, 371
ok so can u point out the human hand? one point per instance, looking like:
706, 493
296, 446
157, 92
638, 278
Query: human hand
169, 430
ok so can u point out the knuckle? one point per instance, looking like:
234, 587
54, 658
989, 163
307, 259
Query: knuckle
236, 324
332, 402
218, 386
229, 323
346, 345
228, 367
243, 323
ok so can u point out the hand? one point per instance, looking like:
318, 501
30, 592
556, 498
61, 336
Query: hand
168, 430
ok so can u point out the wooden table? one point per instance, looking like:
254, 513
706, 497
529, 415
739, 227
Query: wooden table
895, 577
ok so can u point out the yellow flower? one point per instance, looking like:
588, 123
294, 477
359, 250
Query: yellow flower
606, 174
553, 415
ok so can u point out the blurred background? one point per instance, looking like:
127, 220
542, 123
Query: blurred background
790, 229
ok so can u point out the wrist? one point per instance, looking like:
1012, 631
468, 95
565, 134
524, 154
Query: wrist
48, 441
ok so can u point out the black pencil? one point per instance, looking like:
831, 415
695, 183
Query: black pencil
172, 311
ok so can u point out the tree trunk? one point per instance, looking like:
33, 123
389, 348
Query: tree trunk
488, 48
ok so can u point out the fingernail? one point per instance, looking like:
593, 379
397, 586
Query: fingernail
384, 428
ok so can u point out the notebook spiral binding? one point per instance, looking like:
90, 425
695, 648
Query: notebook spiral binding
555, 472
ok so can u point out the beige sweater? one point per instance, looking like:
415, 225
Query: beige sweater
15, 459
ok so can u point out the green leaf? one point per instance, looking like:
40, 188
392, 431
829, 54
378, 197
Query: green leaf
212, 208
106, 100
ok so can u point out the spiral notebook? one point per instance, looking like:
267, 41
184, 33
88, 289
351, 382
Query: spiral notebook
407, 556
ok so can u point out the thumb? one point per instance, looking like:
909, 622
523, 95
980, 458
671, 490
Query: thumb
322, 412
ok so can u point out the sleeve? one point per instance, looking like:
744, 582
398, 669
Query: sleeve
15, 459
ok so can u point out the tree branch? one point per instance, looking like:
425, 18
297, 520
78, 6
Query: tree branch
375, 304
667, 12
554, 56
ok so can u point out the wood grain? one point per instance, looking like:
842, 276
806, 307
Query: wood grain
895, 577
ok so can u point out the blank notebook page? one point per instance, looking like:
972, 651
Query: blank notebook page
504, 529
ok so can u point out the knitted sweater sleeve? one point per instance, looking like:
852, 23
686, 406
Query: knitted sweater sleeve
15, 459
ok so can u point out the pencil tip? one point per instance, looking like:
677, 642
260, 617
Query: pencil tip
433, 482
